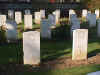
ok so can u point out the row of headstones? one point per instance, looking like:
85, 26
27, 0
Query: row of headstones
31, 46
46, 24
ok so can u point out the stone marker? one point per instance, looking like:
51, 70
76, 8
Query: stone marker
45, 29
11, 31
84, 13
92, 20
75, 23
37, 17
97, 12
27, 21
52, 19
42, 13
31, 47
94, 73
71, 12
18, 17
2, 20
57, 15
98, 28
80, 44
11, 14
27, 12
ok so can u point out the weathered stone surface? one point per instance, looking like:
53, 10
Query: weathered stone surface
37, 16
18, 17
11, 32
45, 29
80, 44
31, 47
27, 21
2, 20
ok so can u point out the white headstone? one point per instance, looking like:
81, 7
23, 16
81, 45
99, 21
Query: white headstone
27, 12
37, 17
28, 21
2, 20
18, 17
11, 14
80, 44
84, 13
11, 32
45, 29
97, 12
42, 13
71, 12
57, 15
31, 47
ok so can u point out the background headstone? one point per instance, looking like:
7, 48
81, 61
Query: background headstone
37, 17
57, 15
18, 17
11, 31
27, 21
11, 14
84, 13
31, 47
42, 13
80, 44
45, 29
97, 12
27, 12
52, 19
2, 20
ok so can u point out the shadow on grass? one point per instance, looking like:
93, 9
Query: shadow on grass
93, 53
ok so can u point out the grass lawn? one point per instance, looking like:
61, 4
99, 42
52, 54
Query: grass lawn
51, 50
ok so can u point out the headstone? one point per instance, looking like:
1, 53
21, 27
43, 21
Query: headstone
45, 29
75, 23
71, 12
92, 20
37, 17
31, 47
98, 28
18, 17
97, 12
42, 13
94, 73
11, 31
84, 13
52, 19
2, 20
27, 12
27, 21
80, 44
11, 14
57, 15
